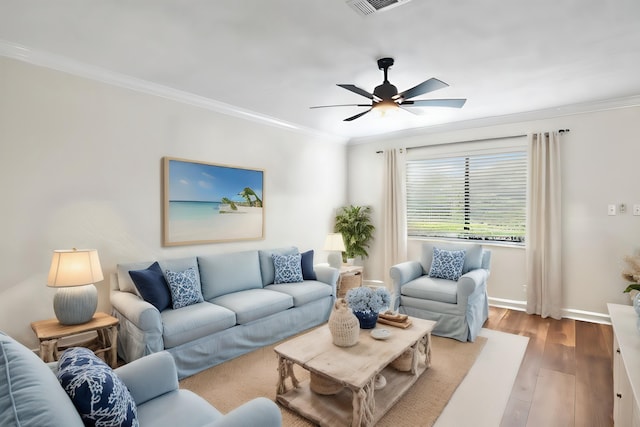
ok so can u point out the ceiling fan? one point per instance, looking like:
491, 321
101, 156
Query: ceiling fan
386, 97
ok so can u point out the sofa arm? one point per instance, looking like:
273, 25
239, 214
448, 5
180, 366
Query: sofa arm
257, 412
150, 376
140, 329
401, 274
328, 275
469, 282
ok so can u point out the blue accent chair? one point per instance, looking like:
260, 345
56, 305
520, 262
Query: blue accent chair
460, 307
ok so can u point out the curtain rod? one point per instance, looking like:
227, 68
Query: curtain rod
478, 140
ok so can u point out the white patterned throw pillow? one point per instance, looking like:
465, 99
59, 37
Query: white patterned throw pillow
185, 287
288, 268
447, 264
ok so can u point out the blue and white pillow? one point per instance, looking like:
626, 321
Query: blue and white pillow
100, 397
447, 264
288, 268
184, 287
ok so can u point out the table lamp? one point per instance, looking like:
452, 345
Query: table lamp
74, 272
335, 244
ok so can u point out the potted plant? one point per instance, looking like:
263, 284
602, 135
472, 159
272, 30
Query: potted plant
354, 222
366, 303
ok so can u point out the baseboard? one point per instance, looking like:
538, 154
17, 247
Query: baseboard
585, 316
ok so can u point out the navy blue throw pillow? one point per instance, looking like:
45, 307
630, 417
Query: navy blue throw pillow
99, 395
308, 273
152, 286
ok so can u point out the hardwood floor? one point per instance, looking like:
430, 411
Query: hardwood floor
566, 376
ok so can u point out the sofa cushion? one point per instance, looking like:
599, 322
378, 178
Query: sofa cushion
428, 288
30, 394
152, 286
288, 268
304, 292
254, 304
308, 272
185, 287
472, 259
447, 264
100, 397
176, 264
195, 321
267, 268
222, 274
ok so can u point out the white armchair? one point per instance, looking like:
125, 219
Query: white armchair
460, 306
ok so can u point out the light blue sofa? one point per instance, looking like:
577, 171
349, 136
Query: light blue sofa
31, 396
242, 309
460, 307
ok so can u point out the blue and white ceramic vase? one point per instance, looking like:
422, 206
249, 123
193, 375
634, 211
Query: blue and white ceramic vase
368, 319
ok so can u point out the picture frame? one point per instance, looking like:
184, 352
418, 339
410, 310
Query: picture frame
211, 203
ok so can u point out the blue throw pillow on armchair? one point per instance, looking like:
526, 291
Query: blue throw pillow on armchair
152, 286
447, 264
308, 273
99, 395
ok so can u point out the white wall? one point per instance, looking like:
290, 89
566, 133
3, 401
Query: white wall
80, 166
599, 165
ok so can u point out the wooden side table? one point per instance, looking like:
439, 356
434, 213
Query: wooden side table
350, 277
50, 331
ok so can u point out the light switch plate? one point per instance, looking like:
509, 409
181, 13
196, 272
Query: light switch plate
636, 210
612, 209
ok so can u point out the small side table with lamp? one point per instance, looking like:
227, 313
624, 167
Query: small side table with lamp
74, 273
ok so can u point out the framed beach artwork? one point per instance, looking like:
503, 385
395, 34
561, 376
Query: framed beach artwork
208, 203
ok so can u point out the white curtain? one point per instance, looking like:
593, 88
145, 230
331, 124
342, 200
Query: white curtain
544, 227
394, 216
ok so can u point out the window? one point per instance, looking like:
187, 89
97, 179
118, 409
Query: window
475, 197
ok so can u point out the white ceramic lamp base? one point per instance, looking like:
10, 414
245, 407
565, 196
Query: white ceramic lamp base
75, 304
335, 259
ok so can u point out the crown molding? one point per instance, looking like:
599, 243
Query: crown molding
70, 66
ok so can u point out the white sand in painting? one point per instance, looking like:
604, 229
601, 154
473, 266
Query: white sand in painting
226, 226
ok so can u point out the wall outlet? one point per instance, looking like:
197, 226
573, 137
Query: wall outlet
612, 210
636, 210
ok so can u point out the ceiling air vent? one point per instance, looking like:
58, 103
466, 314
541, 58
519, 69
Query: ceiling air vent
369, 7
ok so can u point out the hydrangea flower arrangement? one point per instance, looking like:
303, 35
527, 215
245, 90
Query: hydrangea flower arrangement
366, 299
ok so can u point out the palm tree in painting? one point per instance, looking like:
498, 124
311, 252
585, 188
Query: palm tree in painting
247, 193
229, 202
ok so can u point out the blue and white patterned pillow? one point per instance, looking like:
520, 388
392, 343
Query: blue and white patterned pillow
288, 268
100, 397
447, 264
184, 287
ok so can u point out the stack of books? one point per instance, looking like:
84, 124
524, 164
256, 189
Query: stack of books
394, 319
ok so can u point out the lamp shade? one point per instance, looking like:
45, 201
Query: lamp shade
74, 267
334, 242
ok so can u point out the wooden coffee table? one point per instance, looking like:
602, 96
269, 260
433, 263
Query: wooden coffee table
355, 370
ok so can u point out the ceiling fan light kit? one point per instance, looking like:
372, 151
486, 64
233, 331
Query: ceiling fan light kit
369, 7
385, 97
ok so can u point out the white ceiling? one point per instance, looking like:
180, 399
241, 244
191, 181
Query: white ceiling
277, 58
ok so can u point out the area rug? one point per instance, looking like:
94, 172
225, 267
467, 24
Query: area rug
482, 397
232, 383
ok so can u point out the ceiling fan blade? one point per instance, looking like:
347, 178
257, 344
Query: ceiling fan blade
424, 87
356, 89
452, 103
348, 119
342, 105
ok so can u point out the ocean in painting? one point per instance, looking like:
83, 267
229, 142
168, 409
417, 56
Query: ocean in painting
181, 211
197, 221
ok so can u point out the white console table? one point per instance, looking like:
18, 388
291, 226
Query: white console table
626, 365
